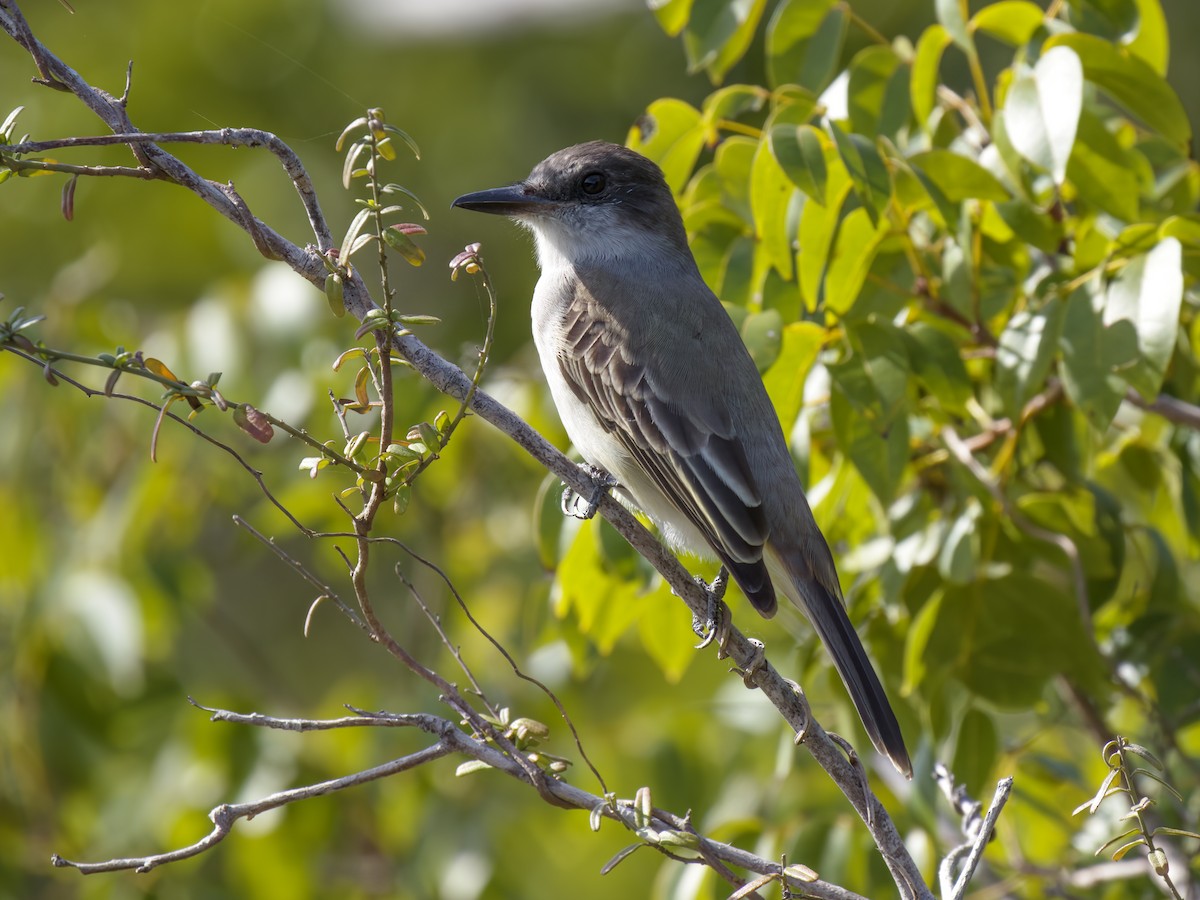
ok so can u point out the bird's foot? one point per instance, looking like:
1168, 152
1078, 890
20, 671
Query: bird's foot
602, 483
754, 664
802, 731
716, 623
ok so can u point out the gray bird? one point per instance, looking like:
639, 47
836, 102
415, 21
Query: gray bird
655, 387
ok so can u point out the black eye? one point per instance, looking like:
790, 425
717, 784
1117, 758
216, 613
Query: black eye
593, 183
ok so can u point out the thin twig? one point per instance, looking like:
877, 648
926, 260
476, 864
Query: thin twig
300, 569
226, 815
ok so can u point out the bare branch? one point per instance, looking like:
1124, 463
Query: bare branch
226, 815
956, 889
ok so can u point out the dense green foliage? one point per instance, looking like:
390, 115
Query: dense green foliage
984, 237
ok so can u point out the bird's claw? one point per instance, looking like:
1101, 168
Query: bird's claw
753, 665
717, 619
602, 483
802, 732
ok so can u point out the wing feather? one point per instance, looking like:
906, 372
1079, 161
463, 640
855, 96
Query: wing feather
697, 461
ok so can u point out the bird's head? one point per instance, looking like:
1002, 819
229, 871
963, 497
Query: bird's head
589, 204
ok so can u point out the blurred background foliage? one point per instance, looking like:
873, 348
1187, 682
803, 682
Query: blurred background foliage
124, 586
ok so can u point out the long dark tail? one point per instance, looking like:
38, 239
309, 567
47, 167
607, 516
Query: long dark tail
828, 616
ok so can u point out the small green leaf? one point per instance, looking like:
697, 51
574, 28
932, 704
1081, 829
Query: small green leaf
1113, 20
939, 366
1026, 350
853, 252
959, 177
1011, 21
952, 16
1131, 82
1152, 44
418, 320
1092, 356
762, 333
399, 241
804, 41
928, 58
871, 71
1148, 293
880, 454
672, 16
818, 227
868, 172
770, 197
975, 750
672, 134
334, 294
718, 34
885, 360
1041, 111
958, 561
800, 151
730, 103
784, 381
1032, 225
1102, 170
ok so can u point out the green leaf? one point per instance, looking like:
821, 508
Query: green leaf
719, 32
959, 177
800, 152
1113, 20
885, 361
1092, 354
926, 61
548, 521
804, 41
870, 74
672, 15
1102, 170
1011, 21
671, 133
854, 250
938, 366
762, 333
952, 16
1033, 226
784, 381
729, 103
1148, 293
1152, 44
1021, 630
975, 751
896, 112
818, 227
879, 456
868, 172
603, 599
933, 641
1131, 82
1026, 350
664, 631
958, 561
1041, 111
770, 197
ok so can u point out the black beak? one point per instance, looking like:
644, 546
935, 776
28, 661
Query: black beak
506, 201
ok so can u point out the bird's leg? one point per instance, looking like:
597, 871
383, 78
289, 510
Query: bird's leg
716, 622
602, 483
